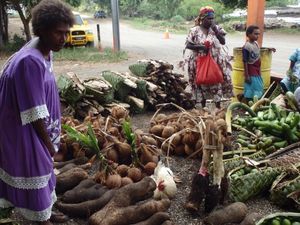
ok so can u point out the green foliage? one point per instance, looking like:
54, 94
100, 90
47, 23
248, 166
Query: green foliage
148, 10
74, 3
88, 140
177, 19
166, 8
131, 139
90, 55
279, 3
129, 7
189, 9
14, 45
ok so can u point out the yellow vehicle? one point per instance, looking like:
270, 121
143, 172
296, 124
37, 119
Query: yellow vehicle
81, 34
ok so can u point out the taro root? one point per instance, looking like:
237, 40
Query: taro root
112, 155
119, 112
179, 150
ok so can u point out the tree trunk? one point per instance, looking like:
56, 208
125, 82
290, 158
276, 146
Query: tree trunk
3, 24
25, 20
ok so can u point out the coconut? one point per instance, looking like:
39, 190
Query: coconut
160, 116
114, 131
112, 155
149, 168
149, 140
146, 155
122, 170
179, 150
167, 131
157, 130
113, 181
190, 138
119, 112
165, 147
188, 149
176, 139
125, 181
135, 174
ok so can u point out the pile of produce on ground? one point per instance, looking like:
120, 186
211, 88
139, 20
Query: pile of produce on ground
281, 218
139, 93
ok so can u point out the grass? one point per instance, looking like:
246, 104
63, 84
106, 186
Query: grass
90, 55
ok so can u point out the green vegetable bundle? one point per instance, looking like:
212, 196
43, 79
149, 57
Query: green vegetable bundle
140, 68
70, 88
230, 164
246, 181
284, 186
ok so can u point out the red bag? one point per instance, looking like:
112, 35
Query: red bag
208, 71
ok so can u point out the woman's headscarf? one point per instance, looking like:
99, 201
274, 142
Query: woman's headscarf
204, 12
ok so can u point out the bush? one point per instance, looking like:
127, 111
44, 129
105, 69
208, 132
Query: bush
177, 19
15, 45
189, 9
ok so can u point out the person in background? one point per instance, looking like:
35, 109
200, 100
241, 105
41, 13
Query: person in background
253, 85
30, 116
292, 80
206, 31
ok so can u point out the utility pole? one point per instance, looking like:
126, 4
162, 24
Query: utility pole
115, 24
255, 16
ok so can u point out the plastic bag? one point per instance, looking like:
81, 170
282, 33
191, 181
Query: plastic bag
208, 71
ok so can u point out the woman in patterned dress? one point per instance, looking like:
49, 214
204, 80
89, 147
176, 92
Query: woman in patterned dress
205, 30
30, 116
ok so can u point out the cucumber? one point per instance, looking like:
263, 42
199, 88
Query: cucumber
280, 144
271, 114
243, 142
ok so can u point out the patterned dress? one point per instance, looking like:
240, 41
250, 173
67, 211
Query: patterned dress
28, 92
220, 53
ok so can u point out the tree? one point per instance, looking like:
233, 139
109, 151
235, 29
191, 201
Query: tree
166, 8
23, 7
129, 7
3, 23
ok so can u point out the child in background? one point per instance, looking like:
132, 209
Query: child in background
253, 85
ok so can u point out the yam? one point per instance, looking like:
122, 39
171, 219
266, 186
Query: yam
69, 179
233, 213
77, 161
157, 218
251, 219
86, 190
87, 208
125, 181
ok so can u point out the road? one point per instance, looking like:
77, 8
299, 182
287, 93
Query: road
141, 44
150, 44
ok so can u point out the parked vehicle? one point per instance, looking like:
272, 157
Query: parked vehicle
100, 14
81, 34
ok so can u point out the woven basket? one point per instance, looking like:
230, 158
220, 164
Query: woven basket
243, 187
283, 187
295, 196
267, 220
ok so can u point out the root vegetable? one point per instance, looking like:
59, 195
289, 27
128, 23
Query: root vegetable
84, 191
233, 213
134, 174
113, 181
70, 179
85, 209
157, 218
120, 208
122, 170
251, 219
160, 116
59, 157
119, 112
73, 165
77, 161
